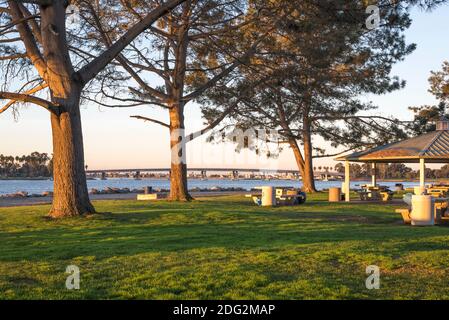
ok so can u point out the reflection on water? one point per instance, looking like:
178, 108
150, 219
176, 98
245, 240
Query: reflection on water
39, 186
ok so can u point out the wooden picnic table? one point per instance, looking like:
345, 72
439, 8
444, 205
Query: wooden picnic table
441, 207
284, 196
440, 192
372, 195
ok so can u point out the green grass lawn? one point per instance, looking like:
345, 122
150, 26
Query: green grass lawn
221, 248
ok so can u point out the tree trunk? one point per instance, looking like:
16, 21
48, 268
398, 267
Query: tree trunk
308, 178
298, 156
304, 164
178, 175
70, 196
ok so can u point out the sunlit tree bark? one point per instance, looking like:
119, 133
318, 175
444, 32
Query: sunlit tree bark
184, 51
34, 35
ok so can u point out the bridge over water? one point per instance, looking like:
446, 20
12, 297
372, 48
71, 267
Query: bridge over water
233, 172
167, 170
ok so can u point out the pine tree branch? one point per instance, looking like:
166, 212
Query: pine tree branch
213, 124
29, 92
89, 71
151, 120
21, 97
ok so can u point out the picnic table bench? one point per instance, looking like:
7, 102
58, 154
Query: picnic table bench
441, 211
373, 194
438, 191
284, 196
290, 197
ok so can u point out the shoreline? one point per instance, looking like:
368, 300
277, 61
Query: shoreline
25, 178
215, 178
30, 201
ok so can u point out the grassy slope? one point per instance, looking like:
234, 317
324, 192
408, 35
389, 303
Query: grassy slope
222, 248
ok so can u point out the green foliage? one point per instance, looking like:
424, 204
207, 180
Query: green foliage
221, 248
34, 165
392, 171
439, 83
425, 117
307, 80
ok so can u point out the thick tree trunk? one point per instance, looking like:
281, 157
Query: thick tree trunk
178, 175
70, 196
308, 178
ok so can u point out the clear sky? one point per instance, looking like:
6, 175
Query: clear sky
113, 140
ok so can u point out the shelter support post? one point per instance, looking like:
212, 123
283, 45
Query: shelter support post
422, 172
374, 174
347, 181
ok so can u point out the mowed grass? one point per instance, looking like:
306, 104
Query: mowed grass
221, 248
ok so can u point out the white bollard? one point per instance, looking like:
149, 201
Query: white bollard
268, 197
422, 210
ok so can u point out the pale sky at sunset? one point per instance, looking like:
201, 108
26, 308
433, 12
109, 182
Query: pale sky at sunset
113, 140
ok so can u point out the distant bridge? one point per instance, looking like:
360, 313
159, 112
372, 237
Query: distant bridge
193, 170
234, 172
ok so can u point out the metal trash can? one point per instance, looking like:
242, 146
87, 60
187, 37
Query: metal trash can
147, 190
423, 208
268, 197
334, 194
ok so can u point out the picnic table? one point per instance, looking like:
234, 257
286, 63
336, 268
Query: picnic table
438, 191
290, 196
441, 208
440, 211
377, 193
284, 196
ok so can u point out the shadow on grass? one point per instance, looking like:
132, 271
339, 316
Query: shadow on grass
234, 225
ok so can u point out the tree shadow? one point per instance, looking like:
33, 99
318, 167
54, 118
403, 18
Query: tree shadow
160, 229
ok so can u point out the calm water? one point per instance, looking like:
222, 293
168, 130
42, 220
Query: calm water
37, 187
